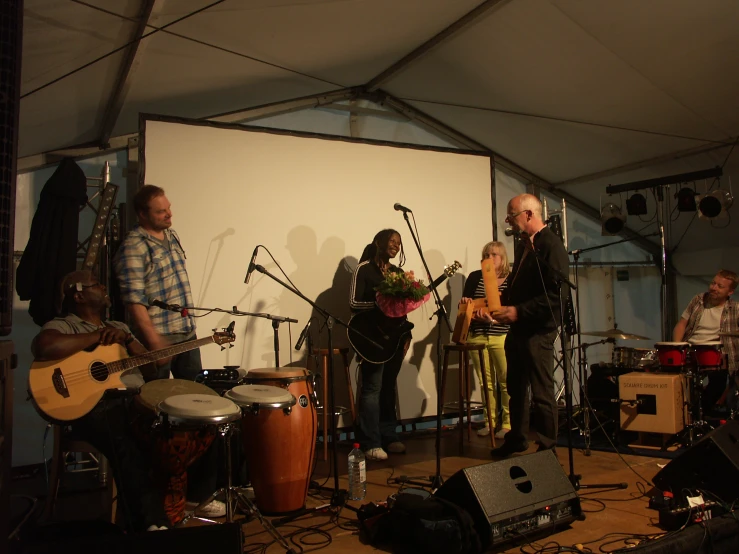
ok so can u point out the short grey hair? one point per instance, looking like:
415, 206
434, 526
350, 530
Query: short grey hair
532, 203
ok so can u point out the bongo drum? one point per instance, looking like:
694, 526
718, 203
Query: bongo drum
672, 355
708, 355
279, 442
176, 422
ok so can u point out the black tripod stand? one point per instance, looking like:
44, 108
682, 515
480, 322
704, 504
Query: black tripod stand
434, 481
562, 283
339, 496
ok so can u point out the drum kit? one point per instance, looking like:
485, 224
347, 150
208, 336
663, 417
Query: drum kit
273, 409
694, 361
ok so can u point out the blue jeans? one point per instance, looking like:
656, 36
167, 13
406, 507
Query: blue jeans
377, 419
183, 366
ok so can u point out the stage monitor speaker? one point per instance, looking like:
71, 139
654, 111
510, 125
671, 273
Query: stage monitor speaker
514, 497
711, 464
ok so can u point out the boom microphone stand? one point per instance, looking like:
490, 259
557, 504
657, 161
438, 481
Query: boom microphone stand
562, 281
339, 496
434, 481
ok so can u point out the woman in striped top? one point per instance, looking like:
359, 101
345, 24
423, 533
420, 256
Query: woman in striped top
483, 330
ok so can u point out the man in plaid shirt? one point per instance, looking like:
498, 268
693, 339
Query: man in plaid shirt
706, 316
150, 265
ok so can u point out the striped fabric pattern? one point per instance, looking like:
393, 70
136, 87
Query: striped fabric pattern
484, 328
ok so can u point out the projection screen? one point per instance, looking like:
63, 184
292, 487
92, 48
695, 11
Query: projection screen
313, 202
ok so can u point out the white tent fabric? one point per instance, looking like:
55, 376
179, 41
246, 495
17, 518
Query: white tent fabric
579, 94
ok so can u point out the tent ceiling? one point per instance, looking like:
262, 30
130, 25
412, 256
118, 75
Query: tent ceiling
564, 88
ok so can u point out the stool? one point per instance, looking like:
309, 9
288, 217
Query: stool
323, 353
465, 379
64, 445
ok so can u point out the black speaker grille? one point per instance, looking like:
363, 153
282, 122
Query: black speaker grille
11, 34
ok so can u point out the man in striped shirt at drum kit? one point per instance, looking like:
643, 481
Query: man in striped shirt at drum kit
710, 326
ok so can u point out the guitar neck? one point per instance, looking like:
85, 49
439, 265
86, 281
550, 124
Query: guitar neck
149, 357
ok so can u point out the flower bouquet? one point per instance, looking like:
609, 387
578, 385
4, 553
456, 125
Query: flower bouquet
401, 293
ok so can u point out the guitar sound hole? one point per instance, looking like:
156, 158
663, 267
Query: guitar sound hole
99, 371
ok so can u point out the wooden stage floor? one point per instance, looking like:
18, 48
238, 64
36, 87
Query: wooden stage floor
607, 512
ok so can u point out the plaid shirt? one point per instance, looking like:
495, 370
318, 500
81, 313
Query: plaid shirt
147, 271
729, 324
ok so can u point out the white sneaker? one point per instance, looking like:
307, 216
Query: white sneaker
375, 454
396, 447
501, 433
484, 432
157, 528
214, 509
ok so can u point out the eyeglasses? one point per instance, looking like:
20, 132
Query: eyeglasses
514, 216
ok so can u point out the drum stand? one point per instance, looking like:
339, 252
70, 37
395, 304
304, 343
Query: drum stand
697, 426
236, 496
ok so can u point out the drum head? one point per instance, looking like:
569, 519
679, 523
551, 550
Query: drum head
154, 392
261, 395
205, 408
277, 372
707, 344
671, 344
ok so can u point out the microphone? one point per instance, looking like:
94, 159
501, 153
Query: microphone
401, 208
170, 307
251, 265
303, 335
511, 232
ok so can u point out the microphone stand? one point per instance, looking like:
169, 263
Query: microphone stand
434, 481
276, 320
339, 496
582, 354
562, 280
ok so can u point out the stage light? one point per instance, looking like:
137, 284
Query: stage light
714, 204
612, 220
636, 205
686, 200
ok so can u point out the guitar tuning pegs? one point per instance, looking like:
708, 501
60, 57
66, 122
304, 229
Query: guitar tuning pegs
230, 345
223, 348
215, 330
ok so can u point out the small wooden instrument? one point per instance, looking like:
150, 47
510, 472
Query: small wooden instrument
491, 303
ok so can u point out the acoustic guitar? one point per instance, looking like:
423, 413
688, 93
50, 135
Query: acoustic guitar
67, 389
387, 332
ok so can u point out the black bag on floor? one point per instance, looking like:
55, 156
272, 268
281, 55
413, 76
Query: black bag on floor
419, 522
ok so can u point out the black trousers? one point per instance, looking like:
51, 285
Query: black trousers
108, 428
531, 367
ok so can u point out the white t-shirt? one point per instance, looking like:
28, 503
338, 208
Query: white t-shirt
707, 327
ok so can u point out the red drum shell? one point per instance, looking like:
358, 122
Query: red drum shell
672, 354
708, 354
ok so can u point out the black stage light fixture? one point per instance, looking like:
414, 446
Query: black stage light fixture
636, 205
612, 220
686, 200
714, 204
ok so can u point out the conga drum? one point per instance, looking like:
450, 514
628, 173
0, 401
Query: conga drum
279, 441
176, 422
300, 383
708, 355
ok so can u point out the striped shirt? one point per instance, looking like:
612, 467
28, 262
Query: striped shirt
480, 328
149, 269
729, 324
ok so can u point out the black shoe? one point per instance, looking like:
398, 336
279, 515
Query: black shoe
507, 449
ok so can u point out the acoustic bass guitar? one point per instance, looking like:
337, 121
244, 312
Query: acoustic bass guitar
67, 389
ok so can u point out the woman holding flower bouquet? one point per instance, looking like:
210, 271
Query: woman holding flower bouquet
377, 418
483, 330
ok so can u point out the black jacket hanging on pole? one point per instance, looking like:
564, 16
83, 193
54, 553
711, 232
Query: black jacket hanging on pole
51, 251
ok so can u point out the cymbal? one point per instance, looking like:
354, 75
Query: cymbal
615, 333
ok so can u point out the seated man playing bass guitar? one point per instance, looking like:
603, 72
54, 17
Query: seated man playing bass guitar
107, 426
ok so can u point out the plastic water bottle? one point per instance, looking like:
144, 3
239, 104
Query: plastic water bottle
357, 474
